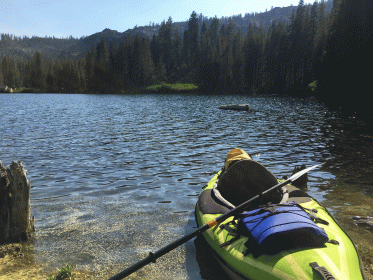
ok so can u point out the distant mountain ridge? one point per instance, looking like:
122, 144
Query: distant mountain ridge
72, 47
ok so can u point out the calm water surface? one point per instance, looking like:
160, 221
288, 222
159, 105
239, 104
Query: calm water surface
114, 177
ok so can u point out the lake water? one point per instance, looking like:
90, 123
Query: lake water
116, 176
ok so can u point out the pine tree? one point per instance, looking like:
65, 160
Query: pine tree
1, 77
203, 77
82, 78
102, 81
74, 85
146, 62
214, 30
237, 71
37, 77
276, 53
313, 22
141, 67
89, 69
192, 38
122, 60
226, 46
320, 38
155, 49
165, 45
49, 81
177, 56
253, 51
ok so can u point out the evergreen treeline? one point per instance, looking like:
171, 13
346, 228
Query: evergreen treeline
43, 75
26, 46
330, 49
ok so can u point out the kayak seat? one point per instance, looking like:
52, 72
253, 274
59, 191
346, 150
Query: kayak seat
209, 204
245, 179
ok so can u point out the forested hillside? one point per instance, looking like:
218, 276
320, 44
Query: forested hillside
52, 47
329, 50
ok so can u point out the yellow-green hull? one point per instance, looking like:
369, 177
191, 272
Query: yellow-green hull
342, 260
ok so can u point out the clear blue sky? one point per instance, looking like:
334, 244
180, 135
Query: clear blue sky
85, 17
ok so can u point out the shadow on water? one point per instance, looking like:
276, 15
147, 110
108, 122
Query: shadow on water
350, 142
200, 263
210, 269
350, 193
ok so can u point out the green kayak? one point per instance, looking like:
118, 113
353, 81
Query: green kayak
334, 260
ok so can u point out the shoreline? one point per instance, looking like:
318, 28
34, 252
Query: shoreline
172, 88
17, 262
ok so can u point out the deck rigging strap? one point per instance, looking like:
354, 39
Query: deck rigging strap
322, 271
295, 229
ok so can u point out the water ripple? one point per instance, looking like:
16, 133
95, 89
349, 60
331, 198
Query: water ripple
108, 172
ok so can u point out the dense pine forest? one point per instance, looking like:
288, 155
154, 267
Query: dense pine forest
317, 52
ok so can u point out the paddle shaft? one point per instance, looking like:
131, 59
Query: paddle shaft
154, 256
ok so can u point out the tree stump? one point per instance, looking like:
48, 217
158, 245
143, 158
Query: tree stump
15, 210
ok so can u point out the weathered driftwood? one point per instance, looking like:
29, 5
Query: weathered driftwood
236, 107
15, 210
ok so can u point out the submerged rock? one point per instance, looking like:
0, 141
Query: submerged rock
366, 222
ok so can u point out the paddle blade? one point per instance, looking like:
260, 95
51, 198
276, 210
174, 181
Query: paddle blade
302, 172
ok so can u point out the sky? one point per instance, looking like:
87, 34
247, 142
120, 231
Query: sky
79, 18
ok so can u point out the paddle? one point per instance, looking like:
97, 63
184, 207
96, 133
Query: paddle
153, 256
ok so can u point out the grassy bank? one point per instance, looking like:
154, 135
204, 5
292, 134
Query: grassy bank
172, 88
